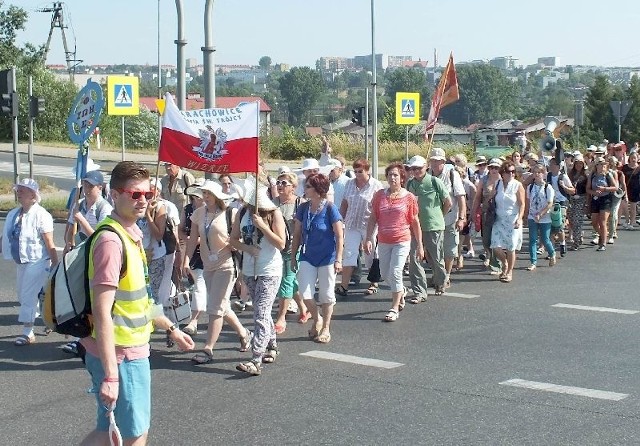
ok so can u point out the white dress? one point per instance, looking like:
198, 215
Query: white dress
503, 234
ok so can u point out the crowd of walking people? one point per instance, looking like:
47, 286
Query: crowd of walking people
303, 237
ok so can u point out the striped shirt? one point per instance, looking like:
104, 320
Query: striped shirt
359, 202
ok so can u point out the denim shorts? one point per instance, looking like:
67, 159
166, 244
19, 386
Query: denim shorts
133, 407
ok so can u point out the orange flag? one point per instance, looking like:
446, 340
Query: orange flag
446, 93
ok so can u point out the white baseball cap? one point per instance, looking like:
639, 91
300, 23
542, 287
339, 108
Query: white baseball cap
417, 161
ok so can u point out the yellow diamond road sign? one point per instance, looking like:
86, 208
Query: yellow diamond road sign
122, 95
407, 108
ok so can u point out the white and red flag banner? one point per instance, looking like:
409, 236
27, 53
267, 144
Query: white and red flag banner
446, 93
215, 140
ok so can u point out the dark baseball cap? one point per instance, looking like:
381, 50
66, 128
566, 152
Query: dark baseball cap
94, 177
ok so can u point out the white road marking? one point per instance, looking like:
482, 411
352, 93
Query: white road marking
569, 390
352, 359
601, 309
463, 296
50, 171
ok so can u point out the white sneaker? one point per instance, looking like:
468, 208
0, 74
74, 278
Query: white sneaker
469, 255
610, 241
595, 241
601, 248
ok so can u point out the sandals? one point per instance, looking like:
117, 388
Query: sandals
507, 278
245, 342
323, 338
280, 328
190, 330
439, 290
23, 340
391, 316
203, 357
304, 317
342, 291
417, 300
313, 333
250, 367
270, 355
402, 303
373, 289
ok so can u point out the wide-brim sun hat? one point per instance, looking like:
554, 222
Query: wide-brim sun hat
310, 164
481, 160
247, 192
31, 184
194, 189
215, 188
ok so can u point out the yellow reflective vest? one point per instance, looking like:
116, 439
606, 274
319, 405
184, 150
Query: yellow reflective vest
131, 310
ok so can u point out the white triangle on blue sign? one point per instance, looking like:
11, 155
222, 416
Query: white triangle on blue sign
123, 97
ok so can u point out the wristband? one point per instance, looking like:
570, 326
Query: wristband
172, 328
110, 380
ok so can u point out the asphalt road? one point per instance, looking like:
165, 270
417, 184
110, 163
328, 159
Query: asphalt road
447, 359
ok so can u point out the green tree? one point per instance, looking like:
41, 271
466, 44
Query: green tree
389, 130
265, 62
410, 80
301, 88
141, 131
12, 19
631, 125
486, 95
598, 118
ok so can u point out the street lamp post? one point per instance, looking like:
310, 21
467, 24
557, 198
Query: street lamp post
374, 82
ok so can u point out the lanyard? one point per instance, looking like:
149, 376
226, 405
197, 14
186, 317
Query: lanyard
207, 227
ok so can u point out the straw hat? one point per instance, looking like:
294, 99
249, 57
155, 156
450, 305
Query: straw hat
215, 188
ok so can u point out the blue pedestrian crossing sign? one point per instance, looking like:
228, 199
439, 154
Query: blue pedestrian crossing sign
123, 95
407, 108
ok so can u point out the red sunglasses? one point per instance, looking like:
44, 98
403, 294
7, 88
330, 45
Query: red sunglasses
137, 194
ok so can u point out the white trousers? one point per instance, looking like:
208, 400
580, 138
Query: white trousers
30, 280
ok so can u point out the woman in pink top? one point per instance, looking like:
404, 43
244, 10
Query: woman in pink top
394, 211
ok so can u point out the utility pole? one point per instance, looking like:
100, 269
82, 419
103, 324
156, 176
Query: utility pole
57, 21
180, 43
374, 83
366, 123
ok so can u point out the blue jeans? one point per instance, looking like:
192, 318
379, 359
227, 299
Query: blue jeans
545, 233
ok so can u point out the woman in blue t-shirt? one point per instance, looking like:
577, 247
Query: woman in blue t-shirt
318, 233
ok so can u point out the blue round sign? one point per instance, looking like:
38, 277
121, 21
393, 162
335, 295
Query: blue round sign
84, 115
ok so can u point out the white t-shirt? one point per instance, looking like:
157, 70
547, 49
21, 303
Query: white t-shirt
566, 182
539, 198
455, 190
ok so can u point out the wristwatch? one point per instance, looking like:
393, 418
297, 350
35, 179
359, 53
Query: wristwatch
172, 329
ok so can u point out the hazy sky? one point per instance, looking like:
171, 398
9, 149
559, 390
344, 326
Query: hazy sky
297, 32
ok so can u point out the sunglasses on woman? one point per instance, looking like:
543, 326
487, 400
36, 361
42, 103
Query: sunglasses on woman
137, 194
282, 183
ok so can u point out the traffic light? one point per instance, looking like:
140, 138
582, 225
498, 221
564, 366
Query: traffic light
357, 116
36, 106
10, 104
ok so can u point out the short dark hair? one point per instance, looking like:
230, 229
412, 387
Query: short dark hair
125, 171
320, 183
